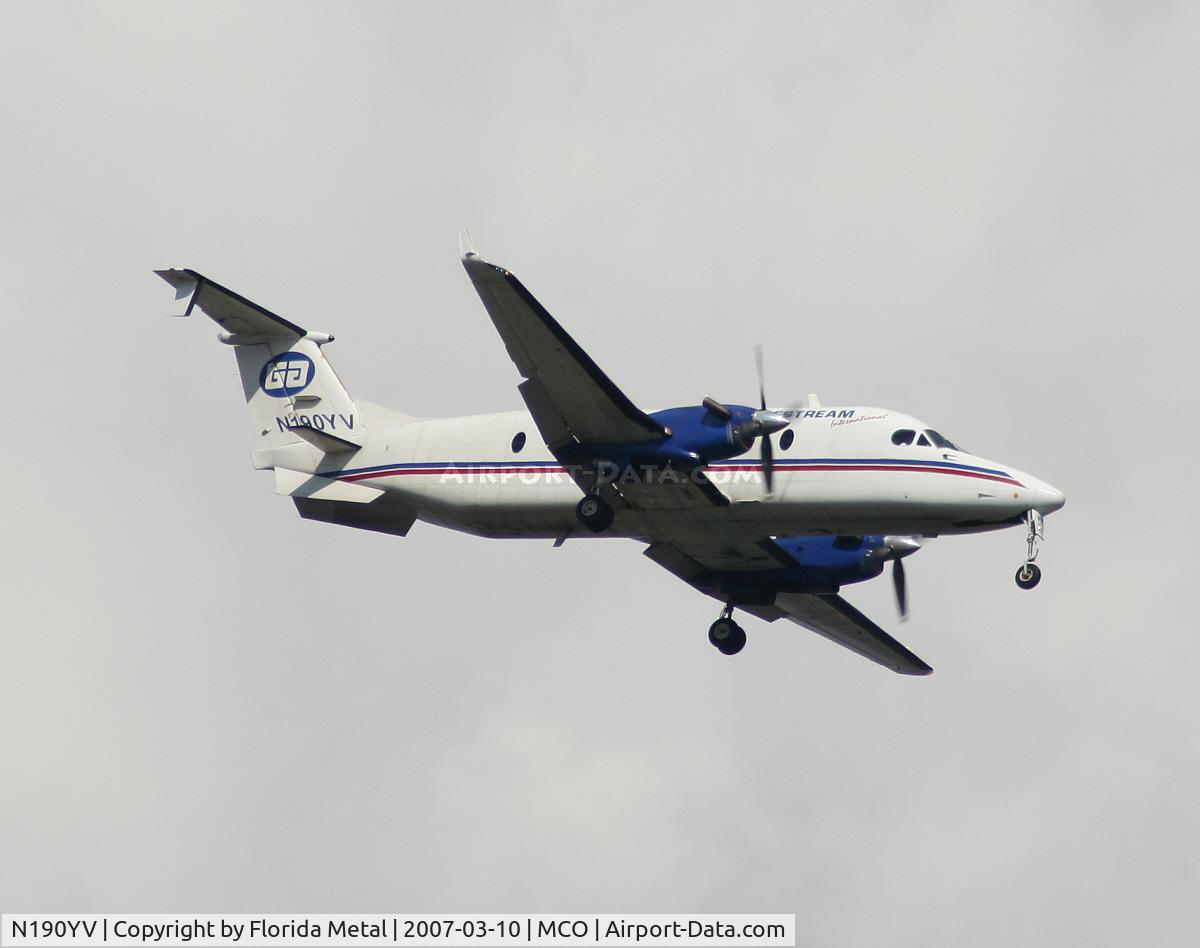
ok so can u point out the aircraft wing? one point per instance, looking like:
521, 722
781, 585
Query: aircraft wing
568, 395
713, 568
838, 621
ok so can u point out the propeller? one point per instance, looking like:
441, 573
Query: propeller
901, 588
767, 422
895, 549
768, 461
761, 424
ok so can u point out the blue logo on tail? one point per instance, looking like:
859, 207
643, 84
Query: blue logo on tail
287, 375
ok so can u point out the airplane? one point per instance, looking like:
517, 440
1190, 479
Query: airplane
775, 533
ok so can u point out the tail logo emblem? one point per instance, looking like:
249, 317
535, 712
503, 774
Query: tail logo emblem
287, 375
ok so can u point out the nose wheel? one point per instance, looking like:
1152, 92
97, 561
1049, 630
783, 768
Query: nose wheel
727, 636
1030, 574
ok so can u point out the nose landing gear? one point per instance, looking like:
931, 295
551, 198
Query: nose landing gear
1029, 575
727, 636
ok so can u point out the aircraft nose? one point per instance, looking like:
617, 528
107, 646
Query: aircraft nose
1048, 499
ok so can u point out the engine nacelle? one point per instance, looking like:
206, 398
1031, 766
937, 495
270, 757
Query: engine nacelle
697, 436
824, 564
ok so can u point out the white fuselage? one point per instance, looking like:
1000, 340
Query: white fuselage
840, 473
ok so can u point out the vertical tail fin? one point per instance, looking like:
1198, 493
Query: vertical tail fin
292, 391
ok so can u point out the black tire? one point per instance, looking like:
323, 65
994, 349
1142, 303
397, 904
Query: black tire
1028, 576
594, 513
727, 636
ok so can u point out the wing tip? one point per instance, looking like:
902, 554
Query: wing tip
466, 246
471, 259
175, 275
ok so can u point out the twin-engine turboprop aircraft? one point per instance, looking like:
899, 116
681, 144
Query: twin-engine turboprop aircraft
775, 533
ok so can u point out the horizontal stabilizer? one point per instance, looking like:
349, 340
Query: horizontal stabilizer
298, 484
383, 515
234, 313
330, 444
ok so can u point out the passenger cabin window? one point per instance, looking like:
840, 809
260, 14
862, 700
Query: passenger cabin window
518, 442
903, 436
786, 439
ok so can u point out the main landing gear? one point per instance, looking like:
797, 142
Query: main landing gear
1029, 575
595, 513
727, 636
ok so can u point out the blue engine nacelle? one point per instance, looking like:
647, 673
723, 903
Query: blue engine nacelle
704, 435
822, 565
826, 563
697, 436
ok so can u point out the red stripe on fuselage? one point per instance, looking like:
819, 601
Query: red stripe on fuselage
452, 470
788, 469
756, 468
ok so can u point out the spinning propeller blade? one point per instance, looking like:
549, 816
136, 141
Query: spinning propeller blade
895, 549
768, 462
901, 588
766, 422
762, 389
761, 424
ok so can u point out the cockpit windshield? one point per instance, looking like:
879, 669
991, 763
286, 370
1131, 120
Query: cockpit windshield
926, 439
941, 442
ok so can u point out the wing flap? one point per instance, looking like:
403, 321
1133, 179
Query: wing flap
703, 565
671, 492
551, 425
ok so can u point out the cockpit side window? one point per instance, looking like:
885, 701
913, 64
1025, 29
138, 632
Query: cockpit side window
903, 436
923, 441
940, 441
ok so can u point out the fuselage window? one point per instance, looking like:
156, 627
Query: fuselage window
786, 439
903, 436
518, 442
923, 440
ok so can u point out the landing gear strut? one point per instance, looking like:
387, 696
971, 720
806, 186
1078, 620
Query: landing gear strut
726, 635
595, 513
1029, 575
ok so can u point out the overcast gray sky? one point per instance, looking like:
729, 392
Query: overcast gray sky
982, 214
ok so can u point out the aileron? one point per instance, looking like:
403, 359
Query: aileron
838, 621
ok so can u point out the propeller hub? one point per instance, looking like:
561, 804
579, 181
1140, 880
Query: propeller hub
767, 422
895, 548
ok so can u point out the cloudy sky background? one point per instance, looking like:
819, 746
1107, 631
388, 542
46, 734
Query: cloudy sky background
985, 215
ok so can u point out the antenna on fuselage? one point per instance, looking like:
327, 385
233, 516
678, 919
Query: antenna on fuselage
813, 401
